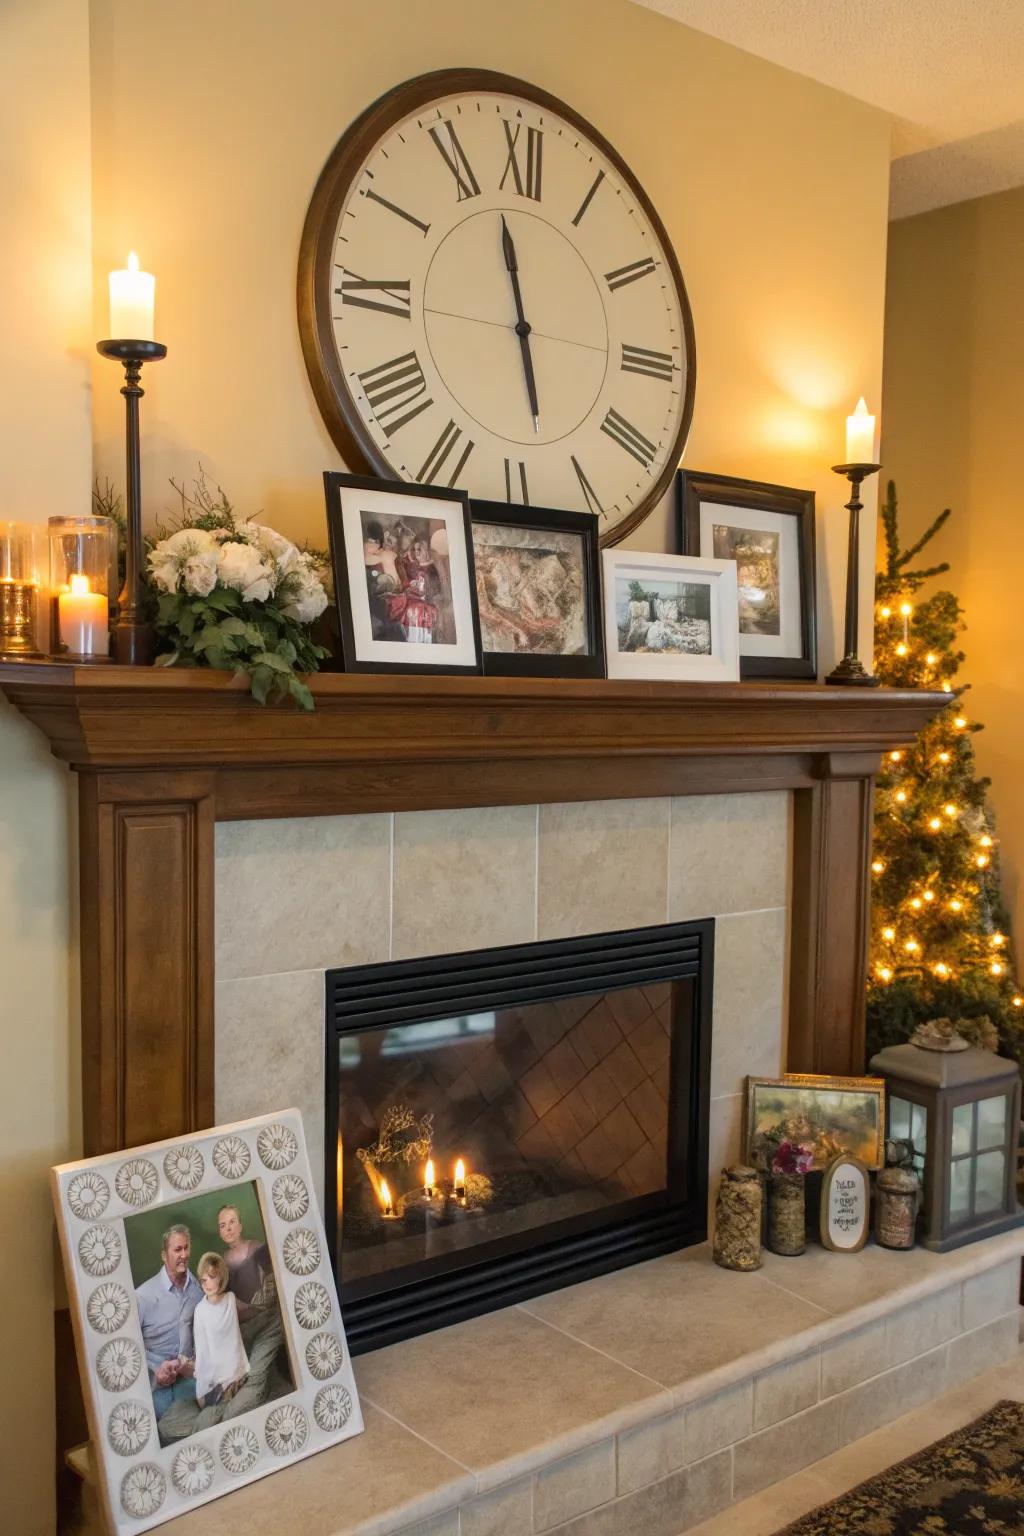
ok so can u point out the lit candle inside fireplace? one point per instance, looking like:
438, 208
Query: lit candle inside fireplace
460, 1180
428, 1179
387, 1205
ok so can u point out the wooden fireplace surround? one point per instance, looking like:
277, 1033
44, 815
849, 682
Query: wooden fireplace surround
161, 756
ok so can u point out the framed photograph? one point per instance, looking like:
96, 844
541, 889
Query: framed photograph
768, 530
538, 591
821, 1115
670, 616
206, 1320
403, 575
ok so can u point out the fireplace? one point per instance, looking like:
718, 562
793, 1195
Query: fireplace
514, 1120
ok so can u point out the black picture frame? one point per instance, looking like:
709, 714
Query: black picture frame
694, 488
541, 520
335, 482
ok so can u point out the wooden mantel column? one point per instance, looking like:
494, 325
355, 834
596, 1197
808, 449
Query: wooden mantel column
162, 755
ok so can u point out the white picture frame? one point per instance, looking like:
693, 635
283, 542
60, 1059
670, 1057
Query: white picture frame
299, 1394
707, 587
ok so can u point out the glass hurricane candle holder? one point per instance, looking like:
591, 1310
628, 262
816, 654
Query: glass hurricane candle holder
19, 586
82, 552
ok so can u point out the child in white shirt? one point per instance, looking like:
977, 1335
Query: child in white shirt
221, 1361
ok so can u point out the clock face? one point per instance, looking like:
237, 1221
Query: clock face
488, 302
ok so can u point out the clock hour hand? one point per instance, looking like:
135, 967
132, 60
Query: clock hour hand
522, 325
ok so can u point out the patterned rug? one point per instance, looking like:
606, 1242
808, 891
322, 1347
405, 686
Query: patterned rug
969, 1484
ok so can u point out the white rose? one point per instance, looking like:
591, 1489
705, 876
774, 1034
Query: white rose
281, 550
199, 574
164, 570
306, 600
187, 541
242, 567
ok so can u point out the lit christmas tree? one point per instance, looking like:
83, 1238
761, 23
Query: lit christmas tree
940, 944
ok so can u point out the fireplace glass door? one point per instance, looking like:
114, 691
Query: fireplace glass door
514, 1120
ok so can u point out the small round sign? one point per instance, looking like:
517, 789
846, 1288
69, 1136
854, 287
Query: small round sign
845, 1204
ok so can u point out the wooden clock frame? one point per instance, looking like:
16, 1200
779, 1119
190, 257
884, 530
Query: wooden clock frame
316, 253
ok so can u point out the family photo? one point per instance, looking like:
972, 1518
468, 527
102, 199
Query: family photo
663, 616
756, 553
208, 1309
530, 590
408, 578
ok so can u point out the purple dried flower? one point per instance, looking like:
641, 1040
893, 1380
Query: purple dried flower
792, 1157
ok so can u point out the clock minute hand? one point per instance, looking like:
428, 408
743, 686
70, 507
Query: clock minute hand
522, 325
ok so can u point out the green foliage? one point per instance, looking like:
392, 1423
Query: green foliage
938, 886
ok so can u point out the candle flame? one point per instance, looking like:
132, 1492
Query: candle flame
385, 1197
861, 408
460, 1172
428, 1174
133, 262
79, 586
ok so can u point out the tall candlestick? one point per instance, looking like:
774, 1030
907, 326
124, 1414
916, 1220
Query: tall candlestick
860, 435
132, 295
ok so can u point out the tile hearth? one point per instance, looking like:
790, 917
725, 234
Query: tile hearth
640, 1403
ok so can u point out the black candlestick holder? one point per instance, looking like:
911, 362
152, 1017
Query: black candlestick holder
851, 671
134, 639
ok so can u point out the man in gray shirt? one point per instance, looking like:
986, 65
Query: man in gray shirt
167, 1302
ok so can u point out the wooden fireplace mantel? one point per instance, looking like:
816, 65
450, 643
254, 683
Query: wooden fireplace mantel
162, 755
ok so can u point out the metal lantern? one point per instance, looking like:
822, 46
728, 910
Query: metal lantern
961, 1109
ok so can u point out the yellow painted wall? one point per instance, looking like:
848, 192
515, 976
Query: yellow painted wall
754, 171
206, 169
953, 402
45, 468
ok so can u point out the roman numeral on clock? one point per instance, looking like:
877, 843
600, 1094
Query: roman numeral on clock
390, 296
438, 456
509, 479
394, 391
589, 494
410, 218
627, 436
654, 365
630, 273
526, 178
587, 200
453, 155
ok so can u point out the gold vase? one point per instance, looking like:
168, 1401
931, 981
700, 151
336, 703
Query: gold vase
18, 621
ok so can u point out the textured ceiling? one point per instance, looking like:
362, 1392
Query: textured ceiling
951, 73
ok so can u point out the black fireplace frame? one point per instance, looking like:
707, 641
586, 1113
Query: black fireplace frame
515, 1268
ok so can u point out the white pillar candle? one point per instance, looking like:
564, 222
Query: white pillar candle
132, 295
860, 436
84, 619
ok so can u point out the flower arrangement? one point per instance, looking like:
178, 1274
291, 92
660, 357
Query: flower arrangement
791, 1157
238, 596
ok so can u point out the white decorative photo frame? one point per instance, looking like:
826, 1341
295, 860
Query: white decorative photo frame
670, 616
215, 1419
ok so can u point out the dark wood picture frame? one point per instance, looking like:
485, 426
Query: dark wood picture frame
694, 488
334, 482
541, 519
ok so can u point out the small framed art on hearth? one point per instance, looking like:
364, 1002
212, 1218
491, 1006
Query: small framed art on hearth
768, 531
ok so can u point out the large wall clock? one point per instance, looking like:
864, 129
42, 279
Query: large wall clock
488, 300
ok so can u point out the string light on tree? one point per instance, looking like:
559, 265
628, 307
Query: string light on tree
935, 859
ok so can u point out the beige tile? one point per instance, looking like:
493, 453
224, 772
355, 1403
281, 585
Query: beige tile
983, 1348
602, 865
554, 1392
665, 1508
786, 1448
853, 1358
463, 879
785, 1390
677, 1317
269, 1052
714, 1422
991, 1294
915, 1329
378, 1482
886, 1397
725, 1125
574, 1485
840, 1284
508, 1512
730, 853
651, 1451
441, 1525
301, 894
748, 1029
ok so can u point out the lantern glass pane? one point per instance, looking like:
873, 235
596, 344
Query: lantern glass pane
992, 1122
960, 1190
899, 1119
919, 1133
963, 1120
990, 1183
